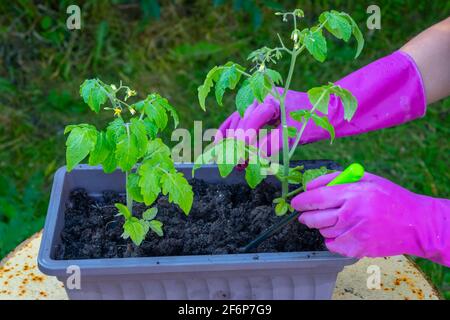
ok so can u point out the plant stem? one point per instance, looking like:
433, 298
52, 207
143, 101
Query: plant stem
127, 173
297, 140
299, 136
129, 199
284, 182
294, 192
287, 154
300, 133
282, 44
244, 73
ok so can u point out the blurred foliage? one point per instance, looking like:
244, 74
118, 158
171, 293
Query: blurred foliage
168, 46
21, 211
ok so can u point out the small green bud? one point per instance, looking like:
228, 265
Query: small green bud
295, 35
262, 67
299, 13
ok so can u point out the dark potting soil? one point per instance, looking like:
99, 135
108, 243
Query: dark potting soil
223, 219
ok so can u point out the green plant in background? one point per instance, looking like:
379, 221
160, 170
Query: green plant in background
252, 8
133, 146
22, 212
261, 81
152, 9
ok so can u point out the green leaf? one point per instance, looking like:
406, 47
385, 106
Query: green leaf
206, 157
101, 150
150, 214
244, 97
164, 103
356, 33
139, 133
162, 161
281, 208
349, 102
294, 177
156, 113
203, 91
324, 123
151, 128
228, 154
229, 78
127, 152
179, 190
300, 115
70, 127
226, 76
80, 142
93, 94
155, 147
253, 173
139, 106
336, 24
320, 97
292, 132
133, 187
110, 164
116, 129
149, 182
257, 165
312, 174
277, 200
123, 210
135, 229
225, 160
260, 86
156, 226
275, 76
316, 44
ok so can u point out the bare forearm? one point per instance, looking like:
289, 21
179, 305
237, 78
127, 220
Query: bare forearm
431, 52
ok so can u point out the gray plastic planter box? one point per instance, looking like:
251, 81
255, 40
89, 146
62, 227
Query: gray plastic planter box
293, 275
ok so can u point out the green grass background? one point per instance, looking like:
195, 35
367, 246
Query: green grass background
169, 47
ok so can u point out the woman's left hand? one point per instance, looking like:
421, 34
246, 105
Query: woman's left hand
375, 217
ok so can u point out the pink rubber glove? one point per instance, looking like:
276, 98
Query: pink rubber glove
389, 92
376, 218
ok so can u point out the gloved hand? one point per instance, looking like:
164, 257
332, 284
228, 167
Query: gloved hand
375, 217
389, 92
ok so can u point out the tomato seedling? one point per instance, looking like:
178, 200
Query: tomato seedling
130, 142
260, 81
